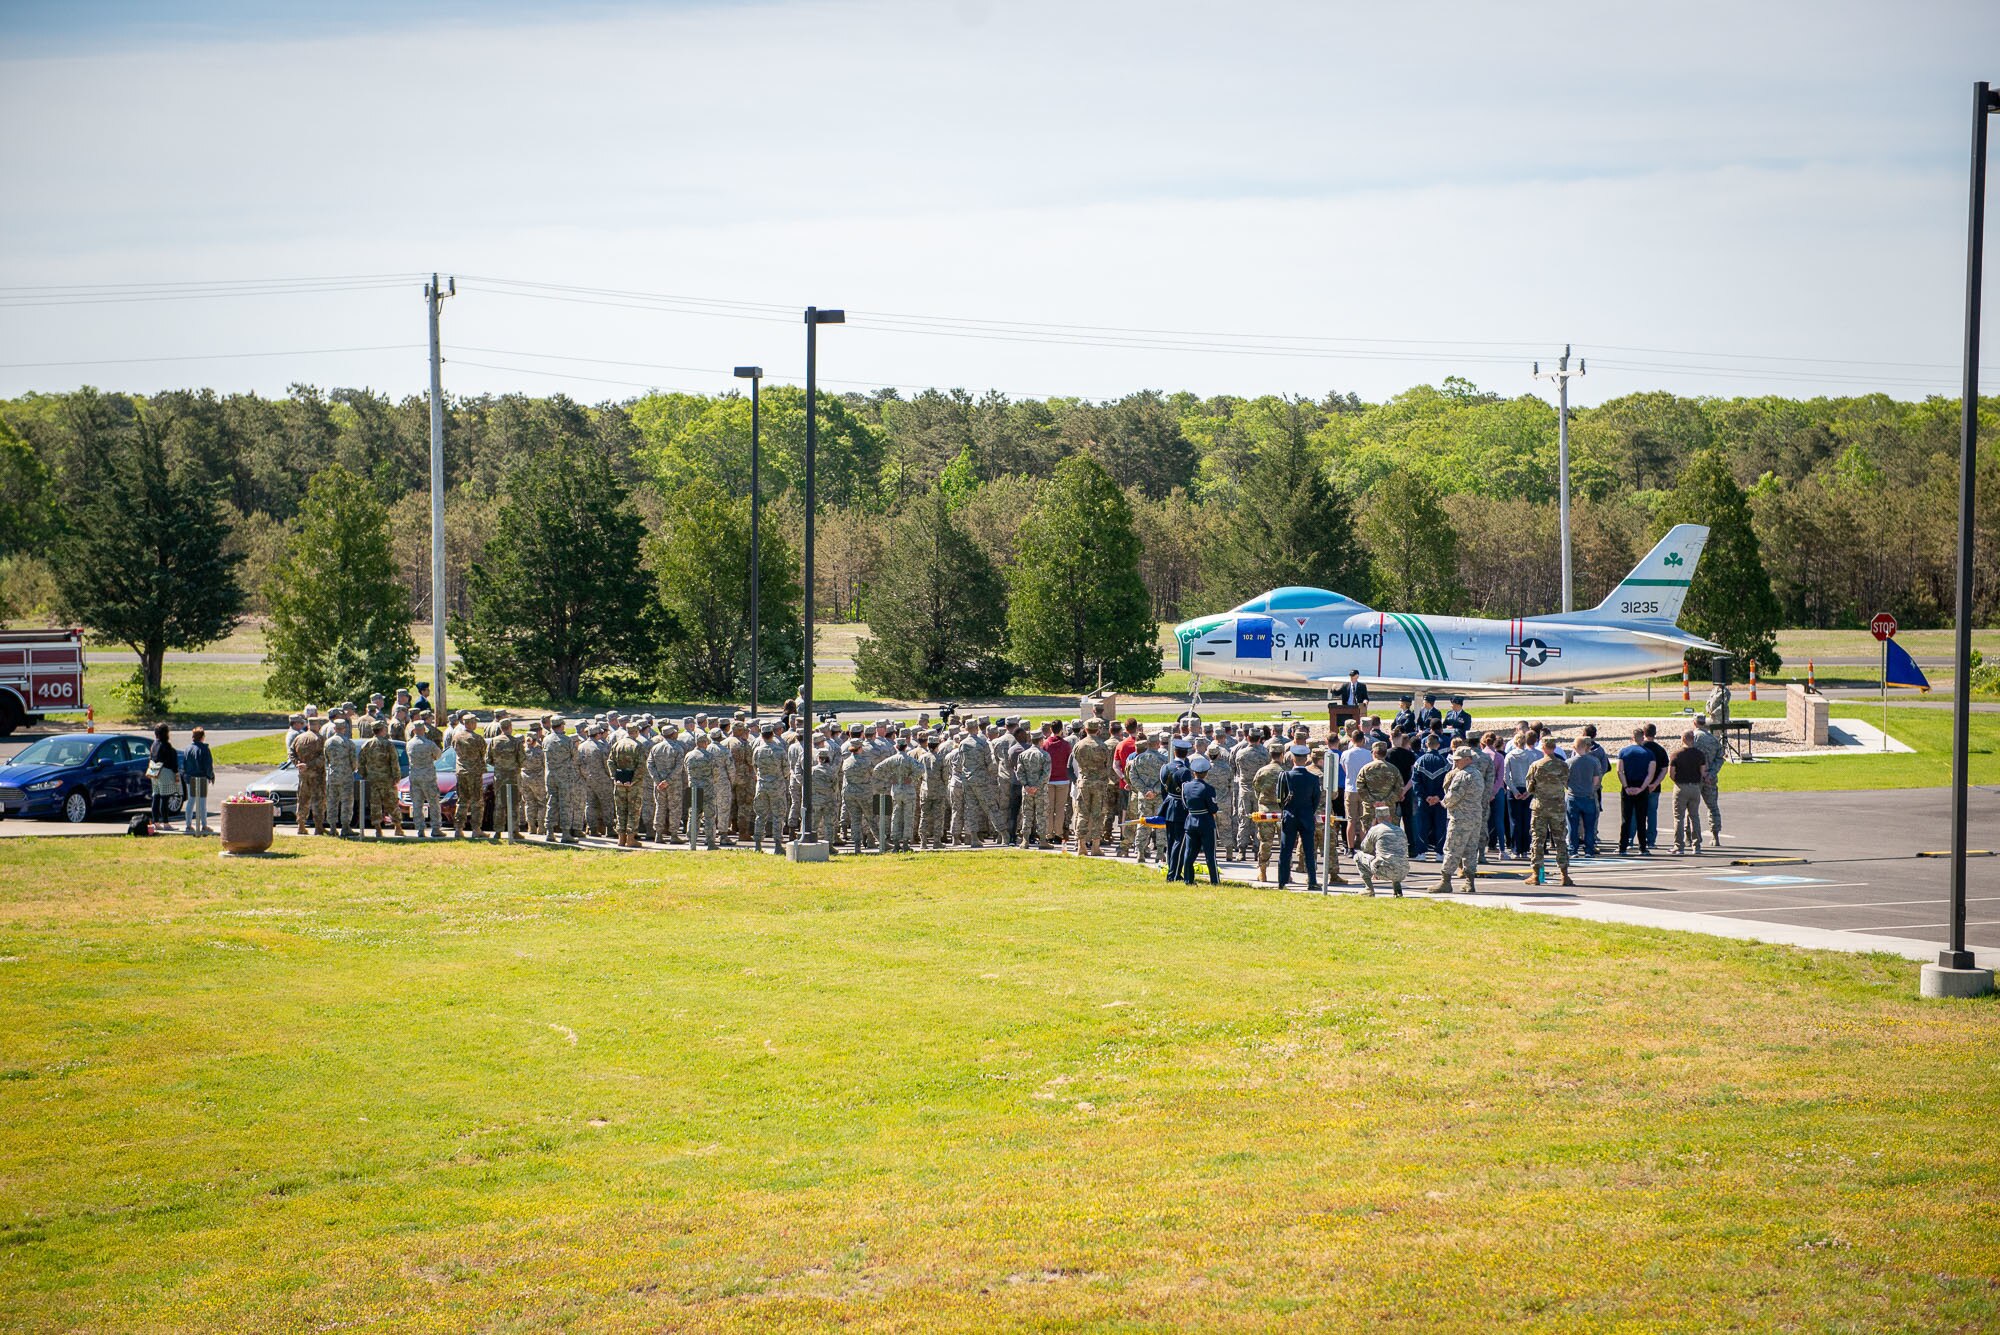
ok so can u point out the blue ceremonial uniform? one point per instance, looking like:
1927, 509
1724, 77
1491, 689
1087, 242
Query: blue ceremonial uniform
1299, 797
1172, 778
1432, 770
1459, 722
1198, 800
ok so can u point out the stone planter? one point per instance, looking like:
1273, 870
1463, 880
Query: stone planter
248, 827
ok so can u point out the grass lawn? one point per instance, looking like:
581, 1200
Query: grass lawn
515, 1089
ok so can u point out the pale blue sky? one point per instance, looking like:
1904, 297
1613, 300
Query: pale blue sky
1715, 198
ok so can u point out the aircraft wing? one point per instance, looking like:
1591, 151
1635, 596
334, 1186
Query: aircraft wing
1680, 641
1418, 685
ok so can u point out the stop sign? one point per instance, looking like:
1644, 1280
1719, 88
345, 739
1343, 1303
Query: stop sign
1883, 627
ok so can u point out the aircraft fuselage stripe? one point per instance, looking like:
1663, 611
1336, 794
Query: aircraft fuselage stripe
1656, 583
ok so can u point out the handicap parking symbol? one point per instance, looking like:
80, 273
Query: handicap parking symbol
1770, 880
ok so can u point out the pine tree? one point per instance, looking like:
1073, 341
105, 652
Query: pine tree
702, 563
558, 596
1415, 546
1077, 605
1293, 525
1730, 600
144, 559
937, 611
340, 617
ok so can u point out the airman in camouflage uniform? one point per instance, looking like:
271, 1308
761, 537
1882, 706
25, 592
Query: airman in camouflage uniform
1384, 852
1548, 790
469, 791
535, 780
378, 765
1467, 798
1379, 784
1264, 793
933, 796
1249, 760
703, 766
1222, 776
667, 777
825, 787
742, 779
767, 799
625, 762
982, 798
426, 808
309, 760
1714, 753
1092, 759
897, 774
1031, 770
565, 808
339, 757
508, 756
857, 793
1142, 775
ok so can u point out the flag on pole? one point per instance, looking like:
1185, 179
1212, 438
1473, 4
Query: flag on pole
1901, 669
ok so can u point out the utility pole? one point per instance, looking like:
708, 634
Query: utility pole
1561, 376
434, 299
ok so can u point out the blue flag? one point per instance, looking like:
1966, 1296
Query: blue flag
1903, 669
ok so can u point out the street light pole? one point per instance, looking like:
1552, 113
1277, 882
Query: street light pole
754, 374
1957, 956
1561, 376
433, 299
815, 317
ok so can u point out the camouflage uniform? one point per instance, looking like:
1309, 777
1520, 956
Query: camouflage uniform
982, 799
625, 762
426, 808
309, 761
1384, 852
1264, 791
1222, 776
933, 799
1092, 759
379, 767
667, 776
825, 785
1467, 800
767, 818
1548, 790
471, 778
1031, 769
897, 774
338, 754
508, 756
1714, 753
742, 782
565, 800
591, 766
1249, 760
1379, 784
857, 794
535, 783
1142, 774
703, 765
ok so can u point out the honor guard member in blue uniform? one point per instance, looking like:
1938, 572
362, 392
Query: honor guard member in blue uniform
1173, 811
1299, 801
1432, 769
1198, 800
1429, 716
1458, 720
1406, 717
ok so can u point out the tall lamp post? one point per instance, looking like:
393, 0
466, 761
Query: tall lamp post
754, 374
808, 849
1955, 973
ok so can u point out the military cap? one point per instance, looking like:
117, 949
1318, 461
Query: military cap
767, 728
1300, 749
1406, 699
854, 730
1183, 743
1464, 753
1199, 764
535, 726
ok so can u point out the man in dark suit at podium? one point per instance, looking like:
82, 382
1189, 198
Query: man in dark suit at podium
1350, 700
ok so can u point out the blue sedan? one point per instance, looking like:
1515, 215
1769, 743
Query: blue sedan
71, 777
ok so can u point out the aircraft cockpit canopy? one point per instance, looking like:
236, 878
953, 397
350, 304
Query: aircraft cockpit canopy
1295, 599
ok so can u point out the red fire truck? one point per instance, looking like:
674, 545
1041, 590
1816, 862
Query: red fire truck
41, 672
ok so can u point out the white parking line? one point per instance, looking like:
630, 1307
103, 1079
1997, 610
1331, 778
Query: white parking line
1877, 904
1916, 926
1735, 890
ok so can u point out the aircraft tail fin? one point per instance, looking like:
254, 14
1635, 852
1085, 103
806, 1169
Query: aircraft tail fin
1658, 585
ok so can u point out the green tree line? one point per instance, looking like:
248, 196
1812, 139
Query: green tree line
1052, 520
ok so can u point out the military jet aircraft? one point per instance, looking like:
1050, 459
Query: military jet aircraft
1313, 637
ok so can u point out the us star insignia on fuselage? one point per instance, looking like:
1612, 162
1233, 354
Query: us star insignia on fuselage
1315, 637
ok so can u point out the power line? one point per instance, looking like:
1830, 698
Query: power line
212, 356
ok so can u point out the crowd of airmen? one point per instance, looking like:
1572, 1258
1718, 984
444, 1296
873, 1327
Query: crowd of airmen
1092, 786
